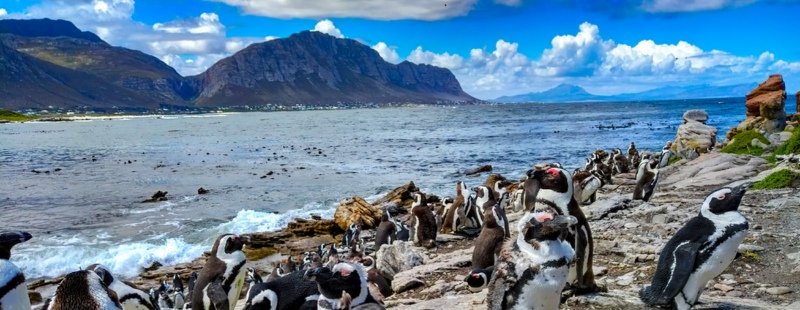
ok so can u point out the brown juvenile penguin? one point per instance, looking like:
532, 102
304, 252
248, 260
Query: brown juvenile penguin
454, 217
490, 240
84, 290
424, 233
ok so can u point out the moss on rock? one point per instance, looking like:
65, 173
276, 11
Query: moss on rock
741, 143
792, 146
779, 179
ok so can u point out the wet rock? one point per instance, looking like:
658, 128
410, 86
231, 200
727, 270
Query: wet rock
400, 197
153, 266
694, 137
158, 196
356, 210
778, 290
294, 239
35, 297
202, 191
478, 170
397, 257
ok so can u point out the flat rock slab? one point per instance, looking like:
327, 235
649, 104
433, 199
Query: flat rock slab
460, 302
714, 170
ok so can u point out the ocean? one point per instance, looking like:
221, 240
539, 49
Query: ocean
264, 169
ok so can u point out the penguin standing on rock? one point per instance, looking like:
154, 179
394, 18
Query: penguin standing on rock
555, 194
13, 291
424, 232
385, 233
352, 235
586, 185
646, 180
533, 267
700, 251
83, 290
130, 297
619, 162
666, 155
490, 240
344, 278
454, 217
222, 277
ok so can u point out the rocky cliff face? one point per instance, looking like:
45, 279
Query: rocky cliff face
765, 106
318, 69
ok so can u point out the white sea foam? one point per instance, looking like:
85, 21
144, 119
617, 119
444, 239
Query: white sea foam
55, 256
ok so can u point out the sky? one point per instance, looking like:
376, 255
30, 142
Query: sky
494, 47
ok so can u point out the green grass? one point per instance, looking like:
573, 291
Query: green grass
741, 143
673, 159
779, 179
792, 146
13, 117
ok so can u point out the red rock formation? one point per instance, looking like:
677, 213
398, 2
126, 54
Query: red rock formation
765, 107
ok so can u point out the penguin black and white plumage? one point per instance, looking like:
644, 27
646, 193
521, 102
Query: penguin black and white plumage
13, 291
701, 250
291, 291
633, 155
222, 277
478, 278
353, 234
620, 163
533, 267
190, 287
473, 218
378, 285
153, 296
646, 179
130, 296
586, 185
556, 195
455, 215
385, 233
424, 231
666, 155
490, 240
177, 283
484, 199
344, 277
83, 290
403, 231
164, 300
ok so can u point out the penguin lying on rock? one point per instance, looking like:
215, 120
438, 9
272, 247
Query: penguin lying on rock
700, 251
289, 292
13, 291
343, 279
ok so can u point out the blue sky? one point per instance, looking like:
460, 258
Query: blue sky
494, 47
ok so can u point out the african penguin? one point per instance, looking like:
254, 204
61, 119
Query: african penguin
222, 277
344, 277
484, 199
555, 195
292, 291
177, 283
586, 185
454, 217
424, 232
379, 286
646, 180
478, 278
13, 291
130, 297
83, 290
403, 231
533, 267
352, 235
473, 218
701, 250
190, 291
385, 233
489, 241
666, 155
619, 161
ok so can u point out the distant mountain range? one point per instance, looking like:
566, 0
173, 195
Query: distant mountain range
46, 63
573, 93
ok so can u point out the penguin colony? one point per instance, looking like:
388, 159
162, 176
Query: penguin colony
528, 266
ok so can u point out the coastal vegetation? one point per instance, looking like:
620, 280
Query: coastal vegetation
792, 146
741, 143
9, 116
779, 179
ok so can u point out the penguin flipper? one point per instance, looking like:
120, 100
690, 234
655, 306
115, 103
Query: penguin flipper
681, 266
217, 295
649, 188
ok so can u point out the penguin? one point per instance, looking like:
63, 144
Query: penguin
385, 233
344, 277
177, 283
292, 291
352, 235
312, 260
556, 195
164, 300
533, 267
222, 277
455, 215
473, 215
83, 290
379, 286
424, 232
178, 300
666, 155
130, 297
403, 231
634, 158
646, 180
602, 171
586, 185
478, 278
153, 297
489, 241
190, 291
253, 277
484, 199
619, 162
13, 291
700, 251
516, 198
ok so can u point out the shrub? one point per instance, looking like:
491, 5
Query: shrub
792, 146
778, 179
741, 143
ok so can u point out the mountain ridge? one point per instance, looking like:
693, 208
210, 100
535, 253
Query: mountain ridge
573, 93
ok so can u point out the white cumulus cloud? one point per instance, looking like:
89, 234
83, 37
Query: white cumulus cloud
387, 52
327, 26
509, 2
574, 55
676, 6
444, 60
370, 9
3, 12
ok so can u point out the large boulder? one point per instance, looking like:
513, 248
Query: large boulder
356, 210
400, 197
765, 106
397, 257
694, 137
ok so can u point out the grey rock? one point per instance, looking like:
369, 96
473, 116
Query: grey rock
397, 257
779, 290
403, 283
749, 247
695, 115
